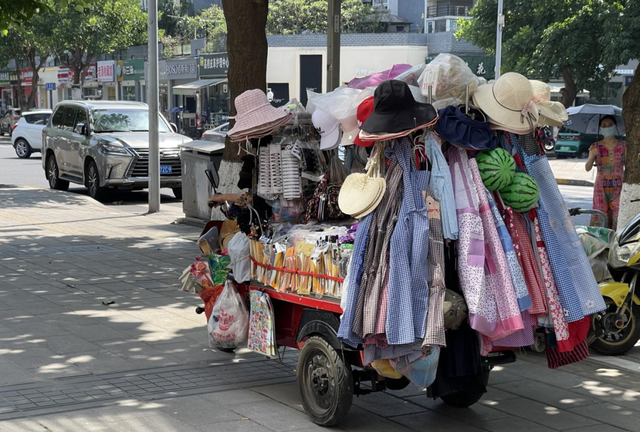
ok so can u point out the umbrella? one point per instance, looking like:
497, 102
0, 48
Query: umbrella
586, 118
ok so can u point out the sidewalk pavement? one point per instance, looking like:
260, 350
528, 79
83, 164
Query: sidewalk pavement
70, 363
572, 172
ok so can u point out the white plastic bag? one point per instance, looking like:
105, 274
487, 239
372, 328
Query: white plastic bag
228, 325
239, 250
449, 76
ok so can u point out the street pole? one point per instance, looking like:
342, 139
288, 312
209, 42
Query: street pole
499, 27
333, 46
153, 89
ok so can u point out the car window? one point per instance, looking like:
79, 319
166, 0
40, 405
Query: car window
81, 118
225, 128
70, 119
37, 119
58, 117
124, 120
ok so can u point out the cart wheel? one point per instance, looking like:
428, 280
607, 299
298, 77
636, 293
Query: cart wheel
227, 350
539, 344
325, 382
464, 399
397, 384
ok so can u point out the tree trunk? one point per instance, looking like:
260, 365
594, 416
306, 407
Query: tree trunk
570, 90
22, 103
631, 184
247, 48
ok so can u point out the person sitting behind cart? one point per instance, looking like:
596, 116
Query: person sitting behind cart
240, 199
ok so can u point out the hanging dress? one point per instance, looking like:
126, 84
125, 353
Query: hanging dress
483, 315
408, 291
435, 335
496, 270
442, 187
576, 283
369, 307
356, 269
606, 192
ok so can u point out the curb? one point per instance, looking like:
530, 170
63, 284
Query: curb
574, 182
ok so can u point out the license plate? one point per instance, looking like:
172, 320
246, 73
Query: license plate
166, 169
566, 148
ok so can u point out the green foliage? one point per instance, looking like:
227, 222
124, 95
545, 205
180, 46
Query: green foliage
209, 23
168, 16
16, 13
104, 27
296, 16
548, 38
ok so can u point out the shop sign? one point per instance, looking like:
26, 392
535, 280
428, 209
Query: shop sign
214, 64
134, 70
5, 78
181, 69
65, 75
482, 66
26, 75
50, 86
91, 73
106, 71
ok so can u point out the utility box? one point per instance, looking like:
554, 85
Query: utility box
196, 189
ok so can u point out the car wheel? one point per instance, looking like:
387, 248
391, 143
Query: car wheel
177, 192
52, 175
23, 149
583, 154
92, 181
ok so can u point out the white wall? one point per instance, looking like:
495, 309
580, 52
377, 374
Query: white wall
283, 63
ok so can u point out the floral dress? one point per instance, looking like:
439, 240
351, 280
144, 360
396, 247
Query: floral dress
606, 192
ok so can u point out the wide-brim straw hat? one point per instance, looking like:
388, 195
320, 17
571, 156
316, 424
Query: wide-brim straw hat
360, 192
253, 112
551, 113
386, 136
508, 102
373, 205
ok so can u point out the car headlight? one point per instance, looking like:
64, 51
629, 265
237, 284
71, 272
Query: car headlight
112, 148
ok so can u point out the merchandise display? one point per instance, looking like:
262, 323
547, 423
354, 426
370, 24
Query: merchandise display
438, 238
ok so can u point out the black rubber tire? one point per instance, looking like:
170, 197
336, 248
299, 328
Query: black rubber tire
329, 400
177, 192
583, 154
52, 175
464, 399
92, 182
23, 149
627, 343
227, 350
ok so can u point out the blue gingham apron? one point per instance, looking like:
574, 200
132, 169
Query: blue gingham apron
353, 284
442, 187
522, 292
577, 286
408, 293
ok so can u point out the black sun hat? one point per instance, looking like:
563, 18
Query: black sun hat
395, 110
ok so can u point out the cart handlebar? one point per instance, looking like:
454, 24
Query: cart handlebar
578, 211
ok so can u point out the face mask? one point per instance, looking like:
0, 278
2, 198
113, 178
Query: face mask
608, 132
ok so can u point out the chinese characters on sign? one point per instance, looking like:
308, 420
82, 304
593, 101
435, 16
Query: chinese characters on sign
181, 69
5, 79
26, 75
214, 64
134, 69
106, 71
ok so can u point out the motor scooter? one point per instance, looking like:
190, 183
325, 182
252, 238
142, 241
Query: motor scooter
617, 329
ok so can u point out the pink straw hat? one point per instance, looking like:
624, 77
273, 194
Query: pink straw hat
254, 111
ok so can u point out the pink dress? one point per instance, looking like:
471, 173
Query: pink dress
606, 192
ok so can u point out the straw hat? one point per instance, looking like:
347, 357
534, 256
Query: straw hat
509, 103
360, 194
551, 113
255, 112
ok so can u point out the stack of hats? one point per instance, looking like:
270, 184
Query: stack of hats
551, 113
360, 194
458, 129
329, 129
256, 117
509, 103
396, 113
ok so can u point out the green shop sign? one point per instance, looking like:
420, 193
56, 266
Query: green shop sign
482, 66
133, 70
5, 78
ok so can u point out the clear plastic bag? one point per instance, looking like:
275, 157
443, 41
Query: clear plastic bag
228, 325
422, 372
239, 251
449, 76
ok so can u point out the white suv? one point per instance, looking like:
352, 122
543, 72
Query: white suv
27, 134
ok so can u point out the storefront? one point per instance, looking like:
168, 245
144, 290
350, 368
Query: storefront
107, 77
47, 83
214, 89
179, 108
133, 80
6, 91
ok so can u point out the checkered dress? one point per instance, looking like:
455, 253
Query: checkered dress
370, 307
408, 293
353, 288
576, 283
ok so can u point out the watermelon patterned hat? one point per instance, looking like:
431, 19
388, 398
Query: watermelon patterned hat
458, 129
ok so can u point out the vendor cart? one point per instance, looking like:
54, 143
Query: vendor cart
329, 372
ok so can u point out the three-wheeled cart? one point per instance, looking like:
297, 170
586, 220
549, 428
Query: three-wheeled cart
329, 373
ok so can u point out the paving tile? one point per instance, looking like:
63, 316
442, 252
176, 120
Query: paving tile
235, 397
244, 425
198, 411
273, 415
511, 424
597, 428
545, 415
613, 415
474, 414
385, 405
547, 394
428, 419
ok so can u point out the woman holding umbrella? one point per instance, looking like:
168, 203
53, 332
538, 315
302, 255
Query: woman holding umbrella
609, 157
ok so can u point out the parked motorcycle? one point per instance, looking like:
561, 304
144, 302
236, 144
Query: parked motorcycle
617, 329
